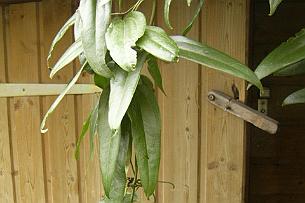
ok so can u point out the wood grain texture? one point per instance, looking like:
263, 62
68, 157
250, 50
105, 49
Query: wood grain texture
224, 27
179, 114
59, 142
6, 178
22, 51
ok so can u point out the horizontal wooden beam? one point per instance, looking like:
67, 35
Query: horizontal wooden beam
25, 90
16, 1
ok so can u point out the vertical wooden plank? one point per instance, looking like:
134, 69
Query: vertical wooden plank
6, 179
223, 136
59, 142
179, 110
23, 64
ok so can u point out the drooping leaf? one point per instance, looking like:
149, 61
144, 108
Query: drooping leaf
117, 190
156, 42
297, 97
82, 136
109, 143
146, 81
273, 5
122, 35
139, 142
71, 53
286, 54
123, 86
167, 4
60, 35
154, 71
93, 128
95, 18
212, 58
195, 16
59, 98
77, 35
294, 69
152, 127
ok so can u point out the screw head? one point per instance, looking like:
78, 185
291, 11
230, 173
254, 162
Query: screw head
211, 97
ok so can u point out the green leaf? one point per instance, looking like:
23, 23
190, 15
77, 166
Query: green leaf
77, 35
101, 81
212, 58
122, 35
154, 71
123, 86
167, 4
71, 53
82, 136
294, 69
109, 143
156, 42
152, 127
93, 128
139, 141
59, 98
95, 18
297, 97
287, 53
117, 191
273, 5
196, 14
60, 35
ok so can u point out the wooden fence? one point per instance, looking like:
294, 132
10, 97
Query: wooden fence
202, 147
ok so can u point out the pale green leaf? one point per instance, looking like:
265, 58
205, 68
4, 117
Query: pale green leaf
123, 86
152, 127
93, 128
109, 143
95, 18
195, 16
273, 5
286, 54
156, 42
297, 97
77, 35
154, 71
167, 4
212, 58
59, 98
122, 35
60, 35
85, 128
71, 53
294, 69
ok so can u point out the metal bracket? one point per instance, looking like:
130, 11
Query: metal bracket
239, 109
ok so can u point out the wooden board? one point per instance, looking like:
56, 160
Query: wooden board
6, 178
224, 26
22, 51
179, 114
59, 142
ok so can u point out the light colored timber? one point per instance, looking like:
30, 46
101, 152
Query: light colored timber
24, 90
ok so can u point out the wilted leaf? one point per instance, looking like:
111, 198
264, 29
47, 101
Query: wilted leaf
297, 97
95, 19
156, 42
287, 53
212, 58
122, 35
123, 86
59, 98
60, 34
273, 5
109, 143
71, 53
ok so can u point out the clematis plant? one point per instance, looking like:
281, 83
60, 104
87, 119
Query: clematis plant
114, 47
